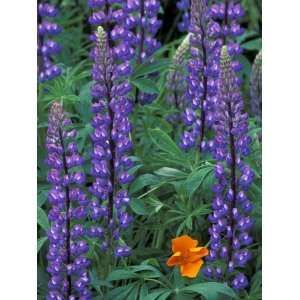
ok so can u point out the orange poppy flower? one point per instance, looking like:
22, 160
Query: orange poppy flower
187, 255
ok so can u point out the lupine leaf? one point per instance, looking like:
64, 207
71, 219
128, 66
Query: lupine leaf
211, 290
196, 178
42, 219
41, 241
164, 293
253, 44
146, 85
143, 181
121, 274
164, 142
148, 68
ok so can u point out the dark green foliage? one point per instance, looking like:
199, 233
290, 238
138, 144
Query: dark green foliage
171, 193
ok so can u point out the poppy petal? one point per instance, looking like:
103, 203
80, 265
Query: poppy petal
174, 260
202, 251
191, 270
183, 244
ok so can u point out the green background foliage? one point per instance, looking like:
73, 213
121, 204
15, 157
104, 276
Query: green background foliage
171, 193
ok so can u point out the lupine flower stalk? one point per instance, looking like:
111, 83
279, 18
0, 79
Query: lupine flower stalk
176, 79
202, 74
256, 86
231, 223
67, 263
47, 47
143, 22
184, 7
111, 141
227, 13
111, 107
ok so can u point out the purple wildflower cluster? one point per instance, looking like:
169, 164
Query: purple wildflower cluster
184, 7
111, 141
176, 79
231, 208
256, 87
202, 79
111, 15
67, 263
46, 46
227, 13
143, 23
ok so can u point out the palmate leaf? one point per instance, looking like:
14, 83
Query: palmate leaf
138, 272
211, 291
169, 148
197, 177
42, 219
145, 85
148, 68
159, 294
41, 241
256, 286
254, 44
143, 181
171, 172
120, 293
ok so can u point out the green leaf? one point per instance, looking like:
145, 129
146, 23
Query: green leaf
256, 285
195, 179
210, 290
149, 67
161, 294
42, 219
143, 181
143, 291
139, 207
164, 296
121, 274
146, 271
170, 172
41, 241
255, 44
146, 85
133, 295
164, 142
42, 195
120, 293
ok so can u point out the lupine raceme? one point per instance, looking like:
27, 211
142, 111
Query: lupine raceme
67, 262
228, 13
229, 233
184, 7
176, 79
47, 47
111, 141
256, 86
142, 21
202, 73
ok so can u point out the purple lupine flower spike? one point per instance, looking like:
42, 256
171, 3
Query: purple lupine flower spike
67, 263
202, 73
144, 24
184, 7
228, 13
229, 233
176, 83
111, 141
46, 46
256, 87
